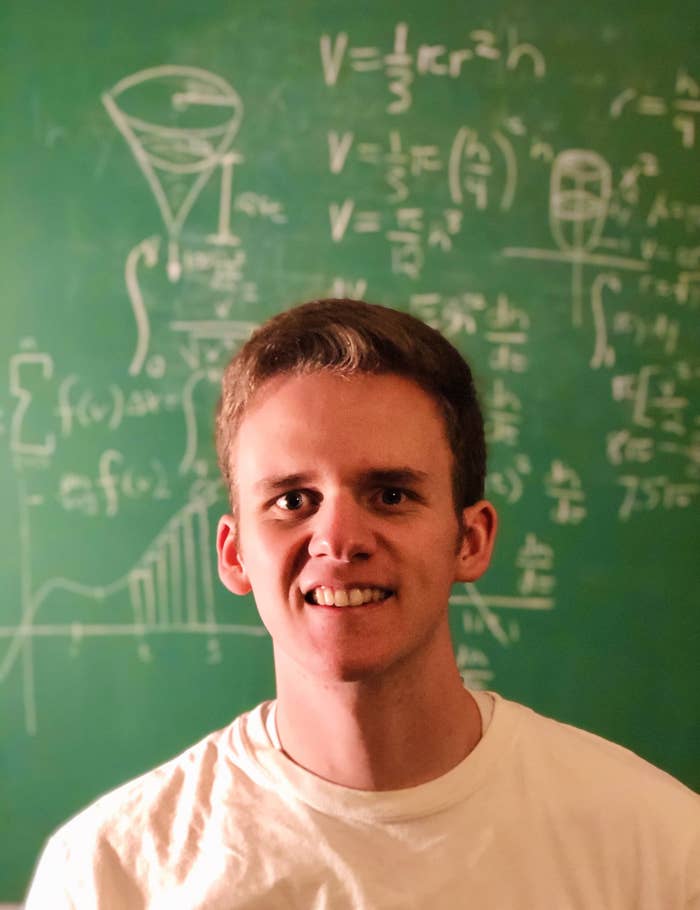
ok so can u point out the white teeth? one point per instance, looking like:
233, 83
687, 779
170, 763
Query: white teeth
344, 597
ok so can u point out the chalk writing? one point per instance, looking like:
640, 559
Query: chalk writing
535, 560
682, 110
401, 67
101, 496
647, 494
178, 160
563, 484
508, 482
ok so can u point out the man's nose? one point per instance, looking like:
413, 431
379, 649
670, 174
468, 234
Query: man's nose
341, 530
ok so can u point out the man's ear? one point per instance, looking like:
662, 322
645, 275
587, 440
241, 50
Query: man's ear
479, 524
231, 569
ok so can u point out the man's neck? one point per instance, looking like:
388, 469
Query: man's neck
384, 733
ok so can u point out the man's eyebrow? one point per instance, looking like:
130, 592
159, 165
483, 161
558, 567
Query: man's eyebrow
394, 476
277, 482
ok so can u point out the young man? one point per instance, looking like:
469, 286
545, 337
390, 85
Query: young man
352, 445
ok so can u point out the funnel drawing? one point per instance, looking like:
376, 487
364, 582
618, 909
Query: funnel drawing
180, 123
580, 191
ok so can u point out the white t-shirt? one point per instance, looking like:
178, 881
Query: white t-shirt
539, 815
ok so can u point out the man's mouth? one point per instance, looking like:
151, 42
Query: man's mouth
345, 597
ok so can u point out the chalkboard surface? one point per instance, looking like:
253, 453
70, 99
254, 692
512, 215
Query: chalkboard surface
524, 176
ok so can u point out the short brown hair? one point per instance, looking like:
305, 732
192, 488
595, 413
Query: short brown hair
348, 337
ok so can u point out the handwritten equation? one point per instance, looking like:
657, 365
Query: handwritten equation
401, 66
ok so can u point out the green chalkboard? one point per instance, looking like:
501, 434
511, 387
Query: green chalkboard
524, 176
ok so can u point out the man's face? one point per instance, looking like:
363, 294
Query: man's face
346, 529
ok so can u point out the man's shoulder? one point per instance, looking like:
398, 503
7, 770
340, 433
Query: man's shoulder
152, 791
126, 838
152, 800
575, 761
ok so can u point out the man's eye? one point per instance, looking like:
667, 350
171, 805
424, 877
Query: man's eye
392, 496
291, 502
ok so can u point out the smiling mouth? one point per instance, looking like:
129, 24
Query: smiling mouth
345, 597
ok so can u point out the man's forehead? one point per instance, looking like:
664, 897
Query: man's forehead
368, 422
362, 408
360, 388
